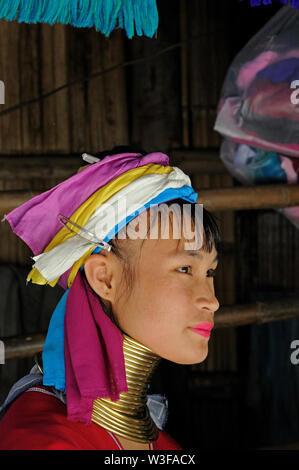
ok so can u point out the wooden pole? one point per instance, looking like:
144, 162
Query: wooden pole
249, 198
12, 168
225, 317
23, 346
257, 312
222, 199
43, 168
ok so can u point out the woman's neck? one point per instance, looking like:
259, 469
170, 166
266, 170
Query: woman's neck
129, 417
131, 445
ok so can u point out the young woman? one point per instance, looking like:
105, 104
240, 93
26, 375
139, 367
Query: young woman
125, 237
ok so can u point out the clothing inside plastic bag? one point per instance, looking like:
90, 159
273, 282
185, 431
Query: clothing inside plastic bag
251, 166
256, 105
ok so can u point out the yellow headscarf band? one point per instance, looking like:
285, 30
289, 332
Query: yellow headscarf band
85, 211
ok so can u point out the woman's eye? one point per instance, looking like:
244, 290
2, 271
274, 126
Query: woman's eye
211, 273
185, 267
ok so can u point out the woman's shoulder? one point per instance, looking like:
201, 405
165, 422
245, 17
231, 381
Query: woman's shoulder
37, 420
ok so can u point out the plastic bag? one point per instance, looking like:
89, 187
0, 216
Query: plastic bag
251, 165
258, 105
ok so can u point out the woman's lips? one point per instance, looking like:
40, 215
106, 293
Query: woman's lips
203, 329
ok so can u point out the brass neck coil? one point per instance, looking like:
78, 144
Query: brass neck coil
129, 416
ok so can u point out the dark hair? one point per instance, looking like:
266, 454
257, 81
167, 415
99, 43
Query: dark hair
211, 239
119, 149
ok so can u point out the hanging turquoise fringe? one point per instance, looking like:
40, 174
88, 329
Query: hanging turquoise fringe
132, 15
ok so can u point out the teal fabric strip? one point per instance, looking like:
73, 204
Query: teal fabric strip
132, 15
53, 351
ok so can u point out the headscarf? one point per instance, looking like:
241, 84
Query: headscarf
83, 351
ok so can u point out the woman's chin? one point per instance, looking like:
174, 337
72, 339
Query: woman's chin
191, 359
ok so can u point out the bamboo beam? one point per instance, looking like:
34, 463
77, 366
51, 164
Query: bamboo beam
236, 198
61, 168
257, 312
225, 317
23, 346
249, 198
45, 167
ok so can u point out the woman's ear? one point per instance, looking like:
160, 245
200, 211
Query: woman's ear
98, 271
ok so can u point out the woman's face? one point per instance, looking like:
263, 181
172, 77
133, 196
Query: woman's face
173, 292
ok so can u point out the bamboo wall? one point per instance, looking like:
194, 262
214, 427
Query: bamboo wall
167, 102
34, 60
204, 60
88, 116
162, 104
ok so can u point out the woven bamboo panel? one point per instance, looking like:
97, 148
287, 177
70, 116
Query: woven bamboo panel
53, 74
204, 61
87, 116
270, 244
10, 125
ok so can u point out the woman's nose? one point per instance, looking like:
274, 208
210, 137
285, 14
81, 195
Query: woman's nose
206, 298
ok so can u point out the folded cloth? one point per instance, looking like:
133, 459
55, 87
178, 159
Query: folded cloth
69, 195
250, 69
256, 105
94, 358
229, 126
52, 264
283, 71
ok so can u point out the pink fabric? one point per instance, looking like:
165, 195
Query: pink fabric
254, 140
292, 213
249, 70
94, 359
228, 126
287, 166
265, 98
